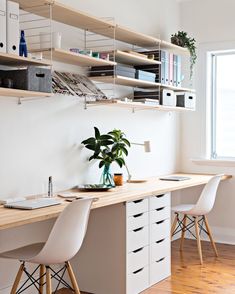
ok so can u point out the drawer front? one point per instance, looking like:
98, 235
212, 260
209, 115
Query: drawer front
138, 281
137, 238
159, 214
159, 201
159, 230
160, 270
137, 221
160, 249
137, 259
137, 206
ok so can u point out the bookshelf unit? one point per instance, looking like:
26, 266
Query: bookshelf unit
68, 15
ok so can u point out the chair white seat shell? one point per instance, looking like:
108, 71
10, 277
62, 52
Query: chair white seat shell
62, 245
198, 213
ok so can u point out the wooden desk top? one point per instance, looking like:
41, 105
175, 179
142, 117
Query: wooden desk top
11, 218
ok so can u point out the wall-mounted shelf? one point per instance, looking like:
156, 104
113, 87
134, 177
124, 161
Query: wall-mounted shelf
125, 81
68, 57
76, 18
14, 60
133, 59
138, 106
129, 82
174, 48
22, 93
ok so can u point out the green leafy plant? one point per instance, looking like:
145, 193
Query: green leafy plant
108, 148
183, 40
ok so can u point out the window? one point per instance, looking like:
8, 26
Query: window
223, 105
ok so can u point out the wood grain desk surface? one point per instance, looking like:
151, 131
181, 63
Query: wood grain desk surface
11, 218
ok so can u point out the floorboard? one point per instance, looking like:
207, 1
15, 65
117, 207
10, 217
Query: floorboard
215, 276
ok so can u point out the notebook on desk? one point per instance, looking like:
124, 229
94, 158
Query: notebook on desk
174, 178
33, 203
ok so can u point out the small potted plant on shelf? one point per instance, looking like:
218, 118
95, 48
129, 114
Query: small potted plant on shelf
108, 148
183, 40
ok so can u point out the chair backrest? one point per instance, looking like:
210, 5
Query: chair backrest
206, 200
67, 233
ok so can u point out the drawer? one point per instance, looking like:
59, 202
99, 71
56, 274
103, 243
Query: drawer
159, 214
160, 249
159, 230
137, 206
138, 281
137, 238
159, 201
137, 221
160, 270
137, 259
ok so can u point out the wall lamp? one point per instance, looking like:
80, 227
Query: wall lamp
147, 149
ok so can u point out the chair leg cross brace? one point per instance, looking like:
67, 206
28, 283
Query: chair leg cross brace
37, 282
182, 226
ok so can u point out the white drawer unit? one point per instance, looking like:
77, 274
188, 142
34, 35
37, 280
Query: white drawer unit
159, 230
137, 259
159, 214
137, 206
138, 220
158, 201
160, 270
137, 238
160, 249
138, 281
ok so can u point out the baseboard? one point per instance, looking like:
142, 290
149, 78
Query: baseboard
220, 235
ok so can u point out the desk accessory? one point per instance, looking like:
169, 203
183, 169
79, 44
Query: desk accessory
50, 187
108, 148
23, 51
174, 178
94, 187
118, 179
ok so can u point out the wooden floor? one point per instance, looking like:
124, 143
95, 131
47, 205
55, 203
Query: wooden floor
216, 276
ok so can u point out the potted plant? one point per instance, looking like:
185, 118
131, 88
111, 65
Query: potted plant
183, 40
108, 148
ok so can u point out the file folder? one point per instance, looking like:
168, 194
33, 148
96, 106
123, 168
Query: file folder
179, 74
171, 64
175, 71
166, 71
3, 26
162, 73
13, 27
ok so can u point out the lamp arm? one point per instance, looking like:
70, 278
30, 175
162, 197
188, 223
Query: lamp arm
128, 172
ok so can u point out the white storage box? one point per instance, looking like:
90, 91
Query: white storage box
167, 98
186, 99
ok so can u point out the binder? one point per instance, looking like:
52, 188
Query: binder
3, 26
162, 73
175, 71
171, 63
179, 74
13, 27
166, 68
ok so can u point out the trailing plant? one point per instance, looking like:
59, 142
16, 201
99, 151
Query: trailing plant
183, 40
108, 148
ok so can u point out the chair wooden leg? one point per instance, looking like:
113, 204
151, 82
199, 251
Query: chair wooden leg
48, 281
198, 239
174, 225
210, 236
41, 281
72, 278
17, 279
183, 232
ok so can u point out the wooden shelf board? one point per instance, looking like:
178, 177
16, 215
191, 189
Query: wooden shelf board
22, 93
174, 48
68, 57
125, 81
14, 60
138, 106
178, 89
132, 59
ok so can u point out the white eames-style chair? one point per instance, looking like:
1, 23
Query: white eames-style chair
61, 246
196, 215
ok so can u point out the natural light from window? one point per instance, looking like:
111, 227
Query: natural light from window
223, 137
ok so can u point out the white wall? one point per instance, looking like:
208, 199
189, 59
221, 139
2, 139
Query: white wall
212, 24
42, 137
